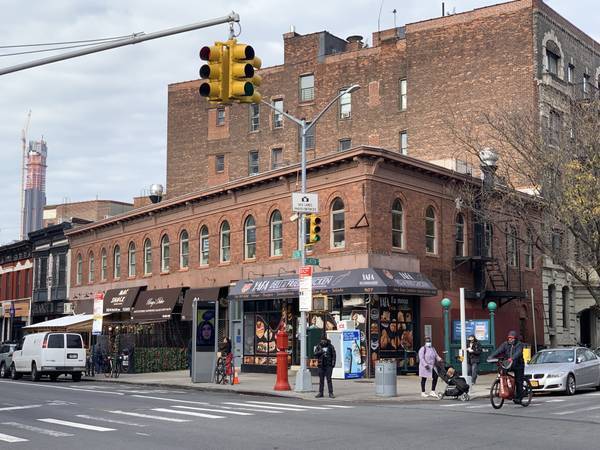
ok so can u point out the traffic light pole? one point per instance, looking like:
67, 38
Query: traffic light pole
303, 379
133, 39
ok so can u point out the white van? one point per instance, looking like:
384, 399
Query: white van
50, 354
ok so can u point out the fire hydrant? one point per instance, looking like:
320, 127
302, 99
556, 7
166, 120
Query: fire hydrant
281, 339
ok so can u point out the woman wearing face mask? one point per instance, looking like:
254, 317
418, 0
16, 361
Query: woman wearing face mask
427, 358
473, 354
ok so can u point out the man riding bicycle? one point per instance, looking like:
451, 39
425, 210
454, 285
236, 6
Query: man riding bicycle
512, 351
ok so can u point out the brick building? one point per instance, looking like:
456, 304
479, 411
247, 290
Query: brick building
91, 210
16, 272
384, 215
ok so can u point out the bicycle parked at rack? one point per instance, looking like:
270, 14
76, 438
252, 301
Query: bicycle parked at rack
112, 367
503, 387
224, 369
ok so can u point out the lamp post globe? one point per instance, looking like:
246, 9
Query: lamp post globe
446, 303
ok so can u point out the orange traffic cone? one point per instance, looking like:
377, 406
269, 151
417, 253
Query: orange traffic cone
236, 380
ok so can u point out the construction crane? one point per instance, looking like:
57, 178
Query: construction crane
23, 170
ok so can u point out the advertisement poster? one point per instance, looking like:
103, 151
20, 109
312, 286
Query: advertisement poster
205, 331
479, 328
353, 362
97, 315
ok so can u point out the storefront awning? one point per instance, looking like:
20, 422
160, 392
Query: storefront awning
120, 300
205, 294
155, 305
353, 281
78, 322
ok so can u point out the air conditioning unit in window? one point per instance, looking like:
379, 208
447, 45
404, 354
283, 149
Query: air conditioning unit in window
320, 303
67, 308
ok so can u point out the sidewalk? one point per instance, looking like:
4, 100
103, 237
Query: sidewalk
262, 384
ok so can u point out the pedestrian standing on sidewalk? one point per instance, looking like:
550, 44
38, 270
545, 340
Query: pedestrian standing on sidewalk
325, 354
473, 356
427, 358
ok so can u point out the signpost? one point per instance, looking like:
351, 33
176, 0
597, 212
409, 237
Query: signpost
306, 288
98, 310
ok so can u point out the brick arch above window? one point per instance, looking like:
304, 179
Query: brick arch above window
551, 43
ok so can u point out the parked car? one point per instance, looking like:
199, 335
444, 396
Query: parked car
564, 369
49, 354
6, 352
597, 351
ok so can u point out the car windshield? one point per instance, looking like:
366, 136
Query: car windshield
553, 357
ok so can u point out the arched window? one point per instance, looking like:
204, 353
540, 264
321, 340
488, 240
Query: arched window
117, 262
529, 251
103, 264
338, 224
250, 238
460, 235
565, 307
225, 238
147, 257
165, 254
91, 268
79, 269
276, 234
204, 246
397, 224
552, 306
430, 231
184, 250
512, 256
131, 260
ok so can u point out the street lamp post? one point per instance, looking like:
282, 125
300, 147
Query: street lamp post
303, 379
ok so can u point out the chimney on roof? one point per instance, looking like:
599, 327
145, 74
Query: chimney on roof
355, 42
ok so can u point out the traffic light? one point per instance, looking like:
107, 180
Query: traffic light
242, 77
314, 228
215, 73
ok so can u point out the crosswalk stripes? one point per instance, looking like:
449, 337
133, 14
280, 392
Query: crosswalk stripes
83, 426
148, 416
574, 411
188, 413
14, 408
104, 419
289, 405
218, 411
11, 439
44, 431
281, 408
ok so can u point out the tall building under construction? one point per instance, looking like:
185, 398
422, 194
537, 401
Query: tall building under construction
34, 195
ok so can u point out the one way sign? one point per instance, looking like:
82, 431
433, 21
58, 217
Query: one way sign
305, 203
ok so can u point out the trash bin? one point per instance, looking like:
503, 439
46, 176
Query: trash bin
385, 378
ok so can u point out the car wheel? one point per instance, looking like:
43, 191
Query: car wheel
13, 373
571, 385
35, 374
76, 376
3, 371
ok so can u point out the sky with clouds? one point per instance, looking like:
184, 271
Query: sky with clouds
104, 116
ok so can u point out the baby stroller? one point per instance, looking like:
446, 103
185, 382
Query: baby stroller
456, 387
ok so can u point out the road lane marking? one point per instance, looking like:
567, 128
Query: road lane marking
478, 406
103, 419
83, 426
291, 405
13, 408
9, 438
49, 386
39, 430
573, 411
249, 408
264, 406
339, 406
187, 413
171, 400
220, 411
556, 400
148, 416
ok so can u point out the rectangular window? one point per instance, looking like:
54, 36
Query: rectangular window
254, 116
220, 117
310, 138
307, 88
529, 254
344, 144
403, 94
570, 73
404, 142
277, 116
74, 341
253, 162
346, 105
276, 158
43, 273
62, 269
56, 341
552, 62
219, 163
586, 84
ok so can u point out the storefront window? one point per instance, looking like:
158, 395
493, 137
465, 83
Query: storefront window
225, 242
276, 234
338, 229
250, 238
204, 246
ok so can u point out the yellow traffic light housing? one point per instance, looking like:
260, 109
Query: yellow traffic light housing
215, 73
314, 228
242, 77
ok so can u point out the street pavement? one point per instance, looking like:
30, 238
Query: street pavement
65, 415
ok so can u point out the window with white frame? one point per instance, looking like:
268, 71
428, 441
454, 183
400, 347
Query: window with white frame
553, 62
225, 238
307, 87
250, 238
430, 231
570, 73
403, 94
117, 262
345, 105
253, 163
277, 115
147, 257
220, 116
276, 234
586, 83
254, 116
397, 224
91, 268
404, 142
219, 163
204, 246
103, 264
460, 236
79, 275
184, 250
131, 271
276, 158
338, 224
165, 254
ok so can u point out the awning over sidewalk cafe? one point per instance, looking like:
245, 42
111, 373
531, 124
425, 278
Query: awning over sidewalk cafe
205, 294
155, 305
353, 281
120, 300
77, 322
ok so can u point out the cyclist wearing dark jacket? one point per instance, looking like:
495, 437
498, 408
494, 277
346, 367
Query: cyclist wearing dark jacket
325, 354
512, 351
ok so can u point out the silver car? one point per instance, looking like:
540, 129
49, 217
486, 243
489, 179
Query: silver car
564, 369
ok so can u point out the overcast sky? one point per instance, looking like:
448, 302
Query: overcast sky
104, 115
